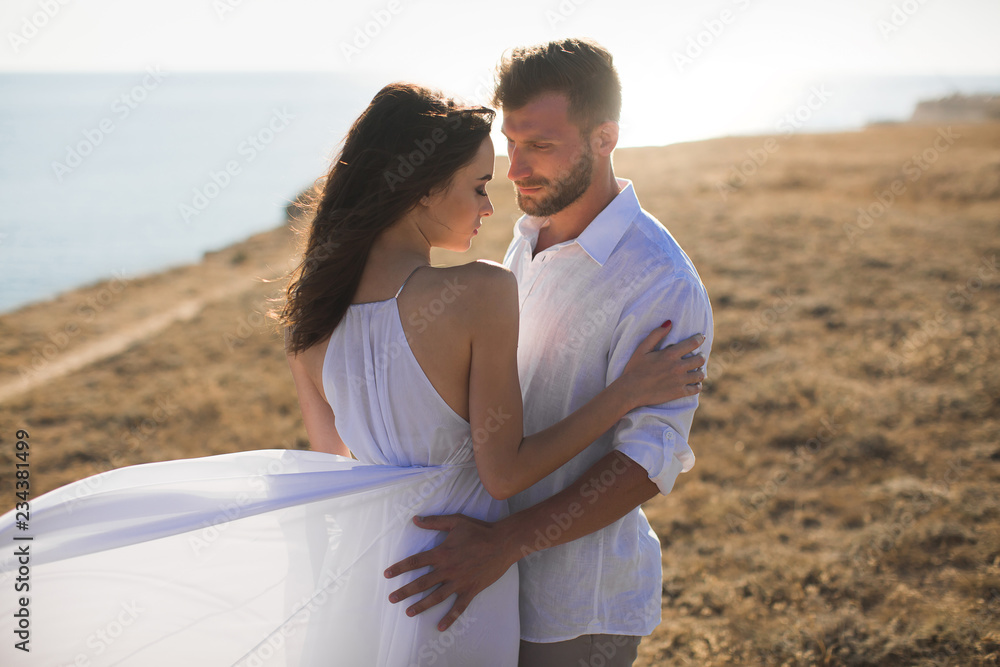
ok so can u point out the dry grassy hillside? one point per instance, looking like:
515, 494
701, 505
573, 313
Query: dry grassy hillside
844, 506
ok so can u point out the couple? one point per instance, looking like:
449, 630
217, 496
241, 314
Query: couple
429, 377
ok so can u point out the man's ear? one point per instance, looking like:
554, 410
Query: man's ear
605, 137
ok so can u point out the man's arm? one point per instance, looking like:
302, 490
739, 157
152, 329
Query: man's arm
476, 553
651, 450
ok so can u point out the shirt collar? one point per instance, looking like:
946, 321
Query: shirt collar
603, 233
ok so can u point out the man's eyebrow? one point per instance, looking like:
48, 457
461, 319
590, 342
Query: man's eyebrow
537, 139
530, 140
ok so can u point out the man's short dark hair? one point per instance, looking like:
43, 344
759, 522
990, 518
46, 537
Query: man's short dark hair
581, 69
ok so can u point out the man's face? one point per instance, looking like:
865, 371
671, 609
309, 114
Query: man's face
551, 164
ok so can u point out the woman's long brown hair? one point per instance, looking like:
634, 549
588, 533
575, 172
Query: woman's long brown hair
409, 141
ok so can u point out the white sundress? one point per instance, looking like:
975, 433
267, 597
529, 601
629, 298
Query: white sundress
269, 558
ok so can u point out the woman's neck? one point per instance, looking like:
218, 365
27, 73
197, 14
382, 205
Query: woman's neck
393, 256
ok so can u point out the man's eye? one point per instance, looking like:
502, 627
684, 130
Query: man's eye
543, 147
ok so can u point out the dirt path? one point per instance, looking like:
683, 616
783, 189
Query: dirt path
112, 344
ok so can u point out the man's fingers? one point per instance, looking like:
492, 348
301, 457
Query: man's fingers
461, 604
441, 594
414, 562
439, 522
418, 585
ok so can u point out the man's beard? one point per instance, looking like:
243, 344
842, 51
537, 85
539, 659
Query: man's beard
566, 191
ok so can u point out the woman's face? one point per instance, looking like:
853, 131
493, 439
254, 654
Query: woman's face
452, 214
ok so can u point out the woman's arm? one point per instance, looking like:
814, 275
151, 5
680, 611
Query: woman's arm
317, 415
507, 461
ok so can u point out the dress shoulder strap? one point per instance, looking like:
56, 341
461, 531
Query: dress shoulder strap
405, 281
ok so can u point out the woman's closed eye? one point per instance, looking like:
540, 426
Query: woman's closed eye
481, 191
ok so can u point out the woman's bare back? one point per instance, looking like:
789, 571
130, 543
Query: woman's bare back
437, 308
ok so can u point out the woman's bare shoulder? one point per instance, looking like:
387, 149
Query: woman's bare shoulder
479, 279
471, 294
485, 277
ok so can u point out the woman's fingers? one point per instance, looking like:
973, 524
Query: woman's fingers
693, 362
647, 345
695, 375
653, 338
689, 344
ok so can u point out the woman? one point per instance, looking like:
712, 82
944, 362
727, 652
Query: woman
275, 557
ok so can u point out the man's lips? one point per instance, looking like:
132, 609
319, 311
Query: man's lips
528, 190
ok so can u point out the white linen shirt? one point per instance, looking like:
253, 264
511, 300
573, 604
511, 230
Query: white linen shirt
585, 305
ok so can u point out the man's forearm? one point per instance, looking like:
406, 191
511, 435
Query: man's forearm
609, 490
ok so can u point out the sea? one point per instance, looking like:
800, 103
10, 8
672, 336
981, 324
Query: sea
127, 173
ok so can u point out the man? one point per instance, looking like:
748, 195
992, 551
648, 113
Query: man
595, 275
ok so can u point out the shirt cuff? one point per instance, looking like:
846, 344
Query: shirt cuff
659, 459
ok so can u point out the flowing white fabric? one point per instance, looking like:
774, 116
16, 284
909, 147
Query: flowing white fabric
270, 557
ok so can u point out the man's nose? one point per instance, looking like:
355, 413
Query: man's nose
518, 169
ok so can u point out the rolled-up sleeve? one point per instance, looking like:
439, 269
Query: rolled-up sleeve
656, 437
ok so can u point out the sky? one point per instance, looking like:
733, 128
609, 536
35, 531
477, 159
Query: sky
690, 65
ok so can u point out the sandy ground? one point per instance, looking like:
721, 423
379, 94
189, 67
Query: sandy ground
844, 506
